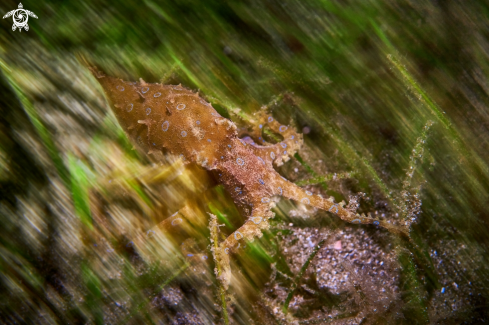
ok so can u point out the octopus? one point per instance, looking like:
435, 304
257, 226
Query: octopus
175, 120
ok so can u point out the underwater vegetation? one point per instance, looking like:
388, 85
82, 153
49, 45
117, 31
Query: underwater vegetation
116, 208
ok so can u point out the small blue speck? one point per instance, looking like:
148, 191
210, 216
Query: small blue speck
261, 181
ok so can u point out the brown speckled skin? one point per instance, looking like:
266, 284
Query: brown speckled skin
176, 120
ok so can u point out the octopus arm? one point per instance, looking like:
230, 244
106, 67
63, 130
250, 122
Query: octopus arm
294, 192
276, 153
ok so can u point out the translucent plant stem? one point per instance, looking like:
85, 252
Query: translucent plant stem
325, 178
300, 274
213, 226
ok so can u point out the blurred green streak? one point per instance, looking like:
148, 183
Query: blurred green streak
79, 190
93, 298
43, 132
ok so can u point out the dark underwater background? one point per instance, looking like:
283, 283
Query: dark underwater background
392, 98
